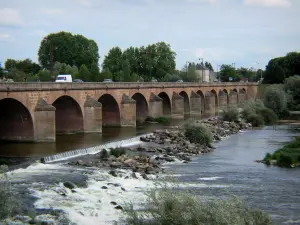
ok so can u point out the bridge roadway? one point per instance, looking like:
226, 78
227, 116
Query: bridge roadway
38, 111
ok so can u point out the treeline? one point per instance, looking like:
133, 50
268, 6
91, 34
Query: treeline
278, 69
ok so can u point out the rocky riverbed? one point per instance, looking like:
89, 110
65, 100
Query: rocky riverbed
162, 146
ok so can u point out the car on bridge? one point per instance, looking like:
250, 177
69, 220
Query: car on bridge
107, 81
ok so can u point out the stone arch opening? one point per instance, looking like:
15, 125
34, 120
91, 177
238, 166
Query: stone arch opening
186, 102
141, 106
202, 101
223, 98
166, 103
216, 97
233, 97
110, 111
242, 95
16, 123
68, 115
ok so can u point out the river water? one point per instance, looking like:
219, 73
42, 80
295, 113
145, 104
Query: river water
229, 170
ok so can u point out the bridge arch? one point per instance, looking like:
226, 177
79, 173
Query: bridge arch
68, 115
16, 123
223, 98
216, 97
110, 111
141, 106
233, 97
166, 103
185, 96
202, 101
242, 95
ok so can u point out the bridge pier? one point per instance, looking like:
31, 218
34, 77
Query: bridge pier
92, 121
195, 101
177, 106
128, 112
210, 104
223, 100
233, 98
44, 122
155, 106
242, 97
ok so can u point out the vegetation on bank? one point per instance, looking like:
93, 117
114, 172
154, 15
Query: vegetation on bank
255, 112
161, 119
170, 205
231, 114
288, 156
198, 133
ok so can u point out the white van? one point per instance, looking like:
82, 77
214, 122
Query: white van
64, 78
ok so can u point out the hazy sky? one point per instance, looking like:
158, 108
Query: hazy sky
222, 31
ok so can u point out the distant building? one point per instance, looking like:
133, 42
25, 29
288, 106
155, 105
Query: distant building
206, 75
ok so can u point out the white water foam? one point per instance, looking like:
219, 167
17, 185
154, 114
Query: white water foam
209, 178
94, 150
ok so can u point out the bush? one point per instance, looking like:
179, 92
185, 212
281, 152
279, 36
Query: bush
117, 152
162, 119
198, 133
150, 119
174, 206
255, 120
104, 154
268, 115
8, 204
275, 98
231, 114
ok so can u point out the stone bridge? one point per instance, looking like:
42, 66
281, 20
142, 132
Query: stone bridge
38, 111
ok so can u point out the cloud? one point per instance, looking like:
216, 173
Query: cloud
85, 2
268, 3
10, 17
53, 11
6, 38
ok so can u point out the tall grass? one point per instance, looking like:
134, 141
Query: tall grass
230, 113
169, 205
198, 133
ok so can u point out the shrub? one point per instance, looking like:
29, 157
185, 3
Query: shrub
268, 116
150, 119
104, 154
275, 98
255, 120
198, 133
162, 119
231, 114
117, 152
174, 206
8, 204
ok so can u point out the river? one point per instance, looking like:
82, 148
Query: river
229, 170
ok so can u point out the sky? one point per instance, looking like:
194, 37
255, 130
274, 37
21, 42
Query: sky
245, 32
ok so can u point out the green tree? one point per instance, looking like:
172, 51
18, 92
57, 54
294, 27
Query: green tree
44, 75
246, 73
84, 73
191, 73
10, 63
292, 88
1, 71
16, 75
227, 72
68, 48
275, 99
94, 72
209, 66
26, 65
105, 74
113, 61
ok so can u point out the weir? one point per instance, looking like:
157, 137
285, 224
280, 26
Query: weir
93, 150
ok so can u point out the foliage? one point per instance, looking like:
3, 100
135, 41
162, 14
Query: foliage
44, 75
275, 98
16, 75
292, 88
170, 205
84, 73
257, 114
288, 156
282, 67
227, 71
95, 74
8, 204
104, 154
158, 119
198, 133
26, 66
117, 152
105, 74
68, 48
155, 60
268, 115
1, 71
247, 73
231, 113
